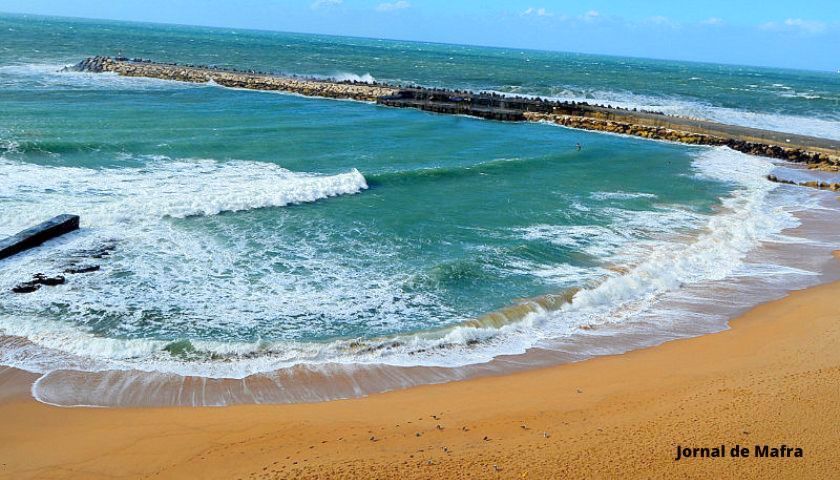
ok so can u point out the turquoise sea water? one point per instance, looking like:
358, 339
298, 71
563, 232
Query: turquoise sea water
253, 231
779, 99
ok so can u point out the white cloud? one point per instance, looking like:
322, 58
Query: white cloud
796, 24
390, 7
539, 12
810, 26
592, 15
712, 21
662, 21
325, 3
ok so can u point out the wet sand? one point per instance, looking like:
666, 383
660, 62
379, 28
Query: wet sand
773, 378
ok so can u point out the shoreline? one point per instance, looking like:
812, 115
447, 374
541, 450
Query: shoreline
770, 379
325, 382
816, 152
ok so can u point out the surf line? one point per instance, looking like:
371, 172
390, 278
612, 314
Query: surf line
815, 152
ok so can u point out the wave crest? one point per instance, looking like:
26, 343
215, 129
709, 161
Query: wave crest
164, 188
352, 77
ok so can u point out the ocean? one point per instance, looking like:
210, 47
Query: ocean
245, 236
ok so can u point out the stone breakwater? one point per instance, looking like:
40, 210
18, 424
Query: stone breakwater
237, 78
675, 129
815, 152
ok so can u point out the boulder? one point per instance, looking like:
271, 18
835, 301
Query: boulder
27, 287
42, 279
82, 269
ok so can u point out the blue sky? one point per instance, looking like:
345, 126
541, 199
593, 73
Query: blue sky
802, 34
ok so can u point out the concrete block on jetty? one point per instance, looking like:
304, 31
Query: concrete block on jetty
37, 235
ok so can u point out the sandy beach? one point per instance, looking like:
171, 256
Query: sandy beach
772, 379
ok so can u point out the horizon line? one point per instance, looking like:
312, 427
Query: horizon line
502, 47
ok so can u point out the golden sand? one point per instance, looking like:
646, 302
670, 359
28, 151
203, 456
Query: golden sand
773, 378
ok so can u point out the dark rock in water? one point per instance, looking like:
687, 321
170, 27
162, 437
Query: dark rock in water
83, 256
37, 280
41, 279
27, 287
82, 269
50, 281
103, 251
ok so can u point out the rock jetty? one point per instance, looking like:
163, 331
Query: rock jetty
815, 152
251, 80
675, 129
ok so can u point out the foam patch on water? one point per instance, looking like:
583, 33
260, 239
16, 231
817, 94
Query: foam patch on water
624, 234
620, 195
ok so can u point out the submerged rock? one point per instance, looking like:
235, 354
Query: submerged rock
37, 280
48, 281
27, 287
82, 269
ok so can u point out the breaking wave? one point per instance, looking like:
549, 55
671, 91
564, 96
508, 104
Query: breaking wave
659, 263
164, 188
52, 76
352, 77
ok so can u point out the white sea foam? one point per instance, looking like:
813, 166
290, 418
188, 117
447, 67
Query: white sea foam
667, 252
190, 281
668, 270
625, 234
165, 188
563, 274
343, 77
8, 146
352, 77
620, 195
714, 255
53, 76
